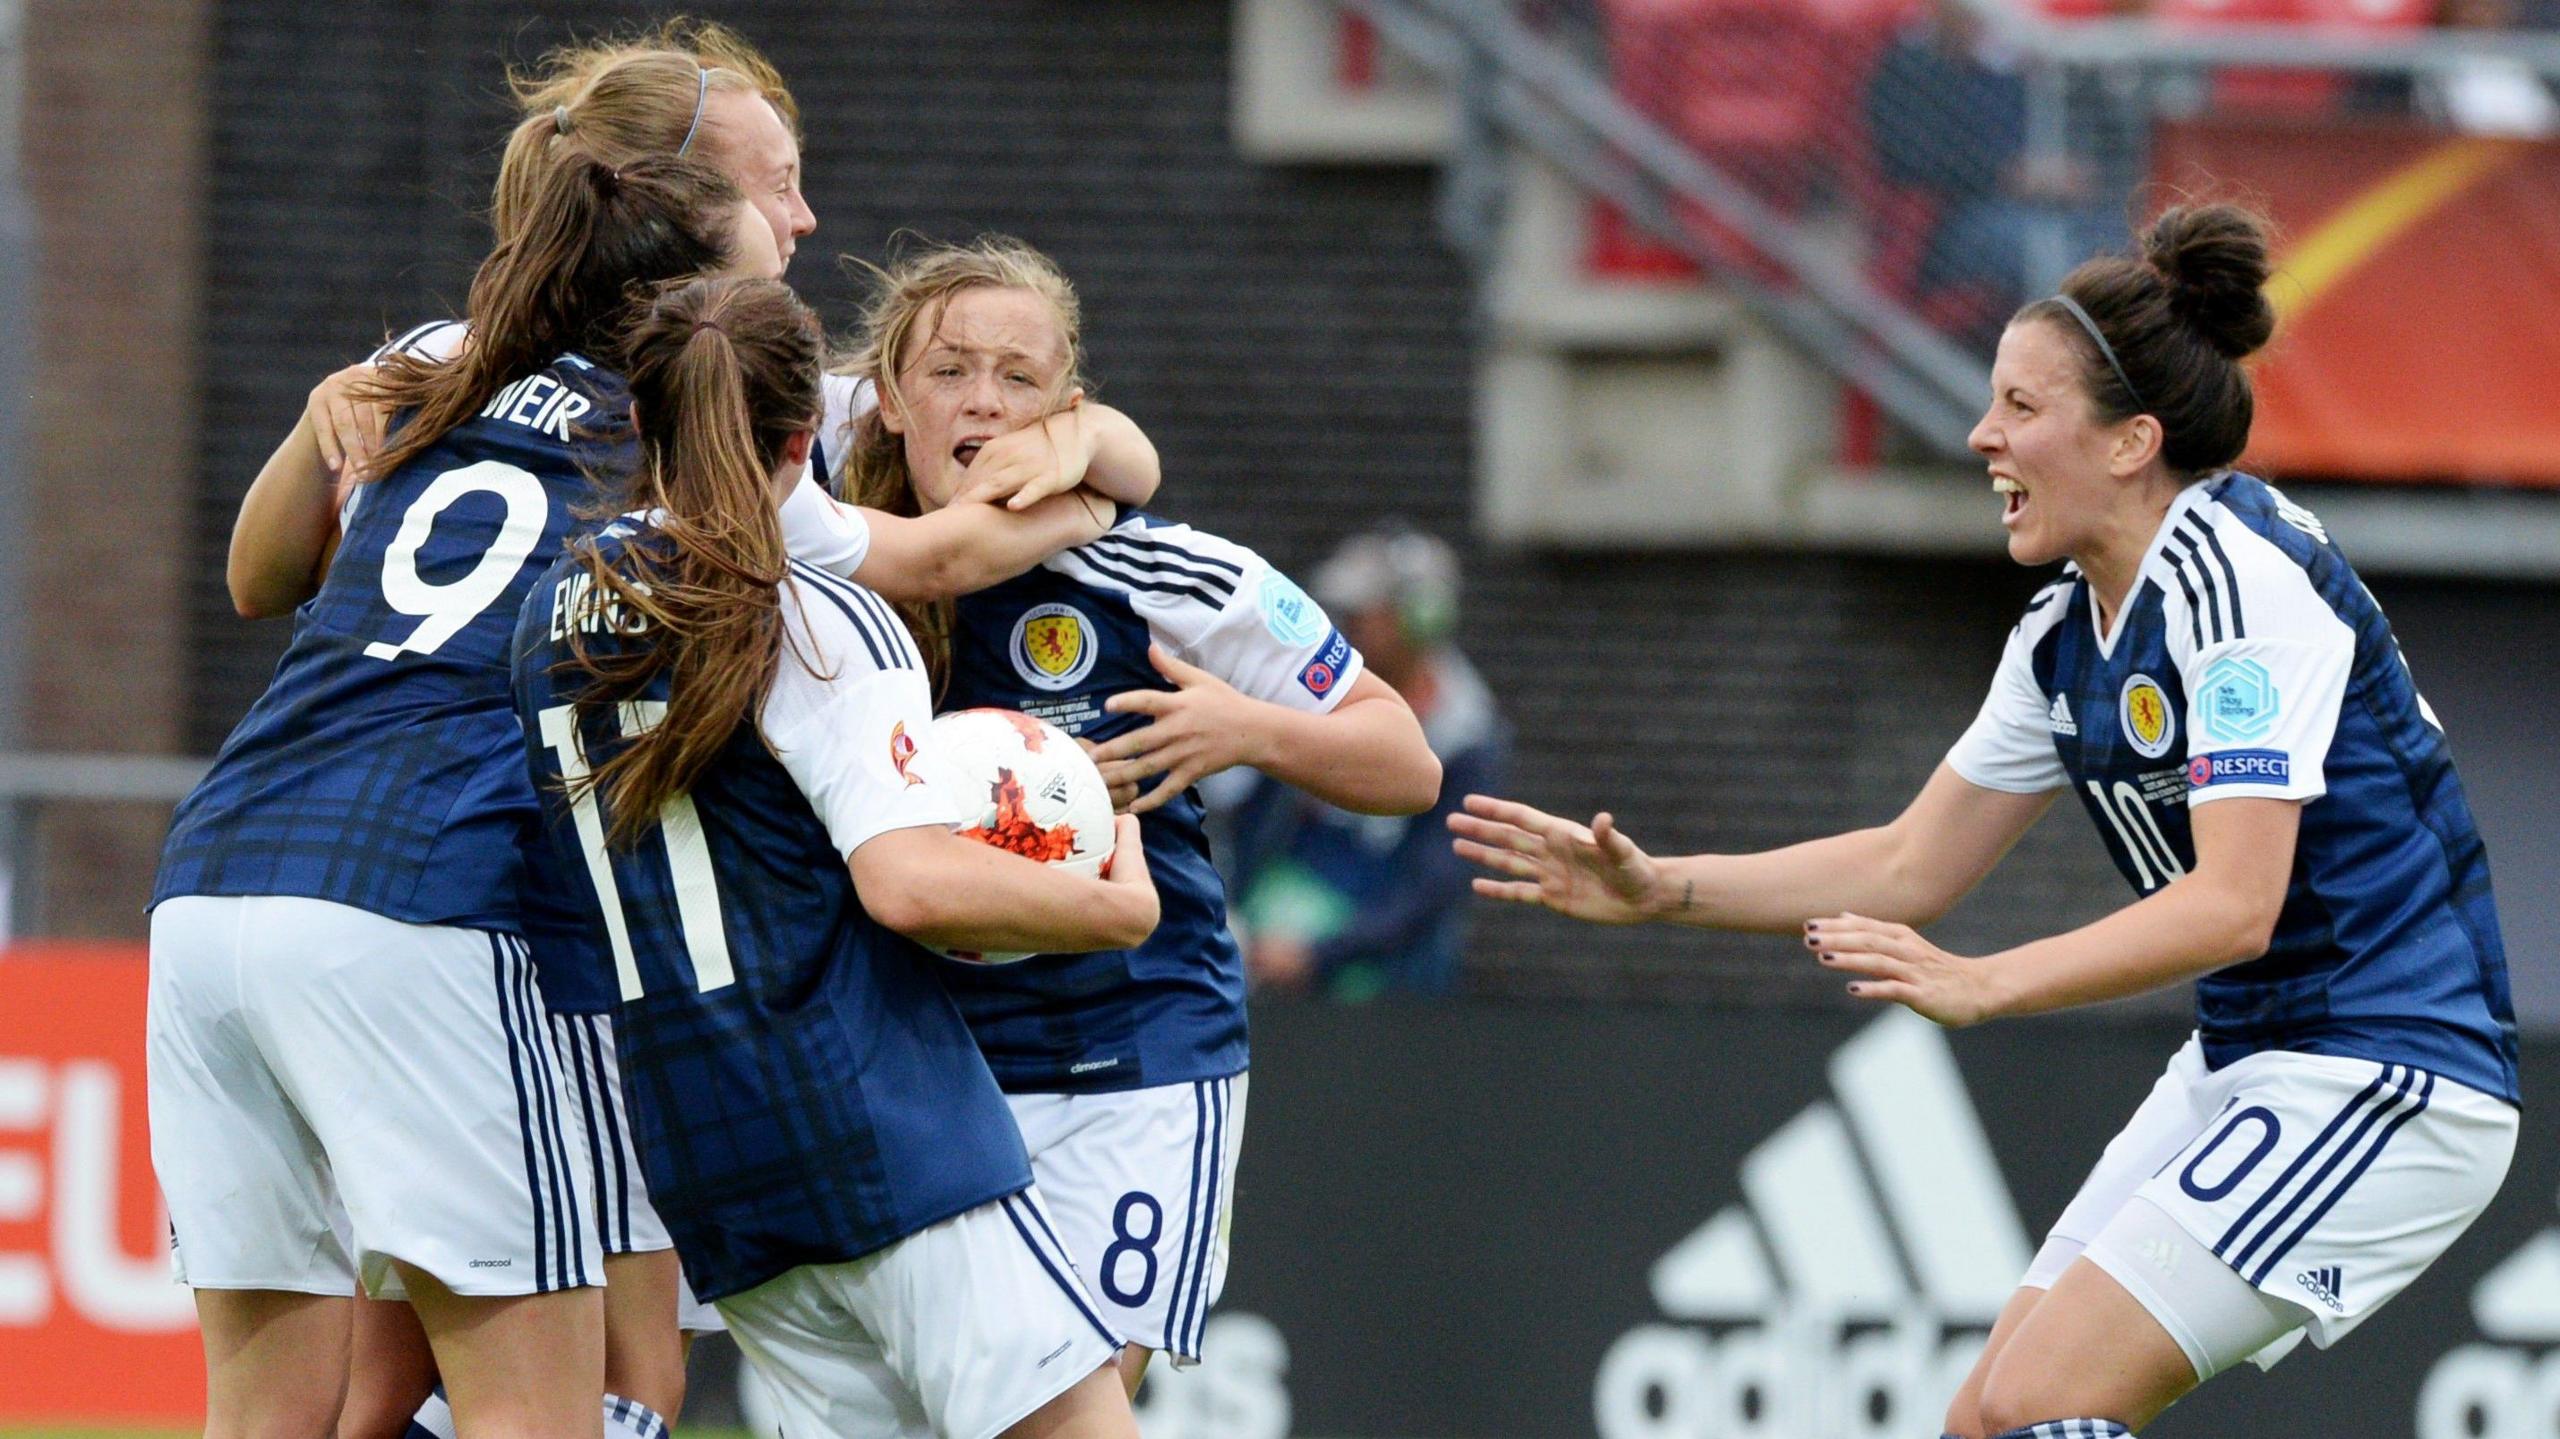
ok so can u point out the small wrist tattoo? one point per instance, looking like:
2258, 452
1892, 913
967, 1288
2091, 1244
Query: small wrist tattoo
1688, 892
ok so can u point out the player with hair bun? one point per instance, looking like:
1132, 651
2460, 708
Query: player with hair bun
2213, 682
721, 737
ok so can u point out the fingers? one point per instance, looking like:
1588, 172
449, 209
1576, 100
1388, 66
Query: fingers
1510, 812
1612, 841
1139, 702
1509, 891
1498, 836
1886, 991
326, 433
1127, 747
1174, 669
1501, 861
1040, 488
1154, 799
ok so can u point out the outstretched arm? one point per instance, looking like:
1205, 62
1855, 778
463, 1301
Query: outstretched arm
2222, 913
1913, 869
1365, 754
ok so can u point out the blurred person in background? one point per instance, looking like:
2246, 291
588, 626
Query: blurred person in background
1354, 905
2490, 94
1946, 111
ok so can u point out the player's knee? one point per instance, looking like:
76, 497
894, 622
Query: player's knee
2023, 1408
275, 1416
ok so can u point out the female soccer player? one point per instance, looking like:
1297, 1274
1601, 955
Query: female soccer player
2214, 683
1180, 654
700, 90
721, 736
335, 1017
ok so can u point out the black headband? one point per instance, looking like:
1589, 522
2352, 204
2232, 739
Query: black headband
2072, 307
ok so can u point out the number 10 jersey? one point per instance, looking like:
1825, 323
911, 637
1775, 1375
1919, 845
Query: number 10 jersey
382, 768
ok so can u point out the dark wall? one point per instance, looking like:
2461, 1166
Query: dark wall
1297, 340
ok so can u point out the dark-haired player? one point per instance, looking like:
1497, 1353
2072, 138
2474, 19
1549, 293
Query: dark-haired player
2211, 680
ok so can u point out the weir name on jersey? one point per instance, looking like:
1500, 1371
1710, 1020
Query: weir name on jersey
539, 402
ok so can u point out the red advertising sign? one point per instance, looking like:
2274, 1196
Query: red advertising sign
2419, 328
92, 1330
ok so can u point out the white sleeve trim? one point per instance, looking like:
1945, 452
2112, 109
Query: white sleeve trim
435, 341
845, 725
1219, 605
819, 532
2265, 687
2009, 745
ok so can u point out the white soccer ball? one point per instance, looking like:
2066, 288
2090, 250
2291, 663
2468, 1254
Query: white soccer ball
1022, 784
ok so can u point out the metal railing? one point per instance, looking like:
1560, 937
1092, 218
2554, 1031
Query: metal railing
1882, 186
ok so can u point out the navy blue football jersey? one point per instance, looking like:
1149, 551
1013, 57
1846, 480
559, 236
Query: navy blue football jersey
1056, 642
800, 1086
2249, 660
380, 768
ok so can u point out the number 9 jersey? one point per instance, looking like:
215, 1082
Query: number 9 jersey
382, 768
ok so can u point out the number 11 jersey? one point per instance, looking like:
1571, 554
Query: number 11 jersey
382, 768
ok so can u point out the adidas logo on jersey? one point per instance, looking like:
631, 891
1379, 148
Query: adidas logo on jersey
1829, 1303
2324, 1284
2060, 716
2503, 1388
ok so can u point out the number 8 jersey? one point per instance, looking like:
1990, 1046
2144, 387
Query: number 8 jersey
382, 768
2250, 661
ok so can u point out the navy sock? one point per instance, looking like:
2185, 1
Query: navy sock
631, 1419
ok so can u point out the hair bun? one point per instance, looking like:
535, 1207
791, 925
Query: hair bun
2213, 259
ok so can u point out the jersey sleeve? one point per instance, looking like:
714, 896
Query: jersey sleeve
1222, 607
848, 710
846, 401
822, 533
2009, 746
2264, 677
435, 341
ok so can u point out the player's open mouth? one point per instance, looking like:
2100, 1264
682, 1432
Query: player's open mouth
2014, 494
967, 450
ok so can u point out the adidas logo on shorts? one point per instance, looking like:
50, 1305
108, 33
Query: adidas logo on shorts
2324, 1284
1884, 1287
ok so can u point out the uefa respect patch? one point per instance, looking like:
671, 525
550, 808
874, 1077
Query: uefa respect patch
2240, 766
1325, 670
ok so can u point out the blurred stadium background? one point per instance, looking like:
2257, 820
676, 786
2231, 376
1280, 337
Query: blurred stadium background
1671, 315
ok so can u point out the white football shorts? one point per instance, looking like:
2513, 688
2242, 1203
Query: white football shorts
961, 1330
626, 1222
2327, 1184
331, 1090
1142, 1182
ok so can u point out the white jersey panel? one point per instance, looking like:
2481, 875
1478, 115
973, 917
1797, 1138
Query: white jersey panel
848, 731
2263, 658
846, 400
1218, 605
2009, 745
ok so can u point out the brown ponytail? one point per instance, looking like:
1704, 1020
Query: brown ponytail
723, 372
589, 238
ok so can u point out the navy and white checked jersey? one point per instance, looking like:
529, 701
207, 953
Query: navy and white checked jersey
2249, 660
800, 1086
380, 768
1056, 642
